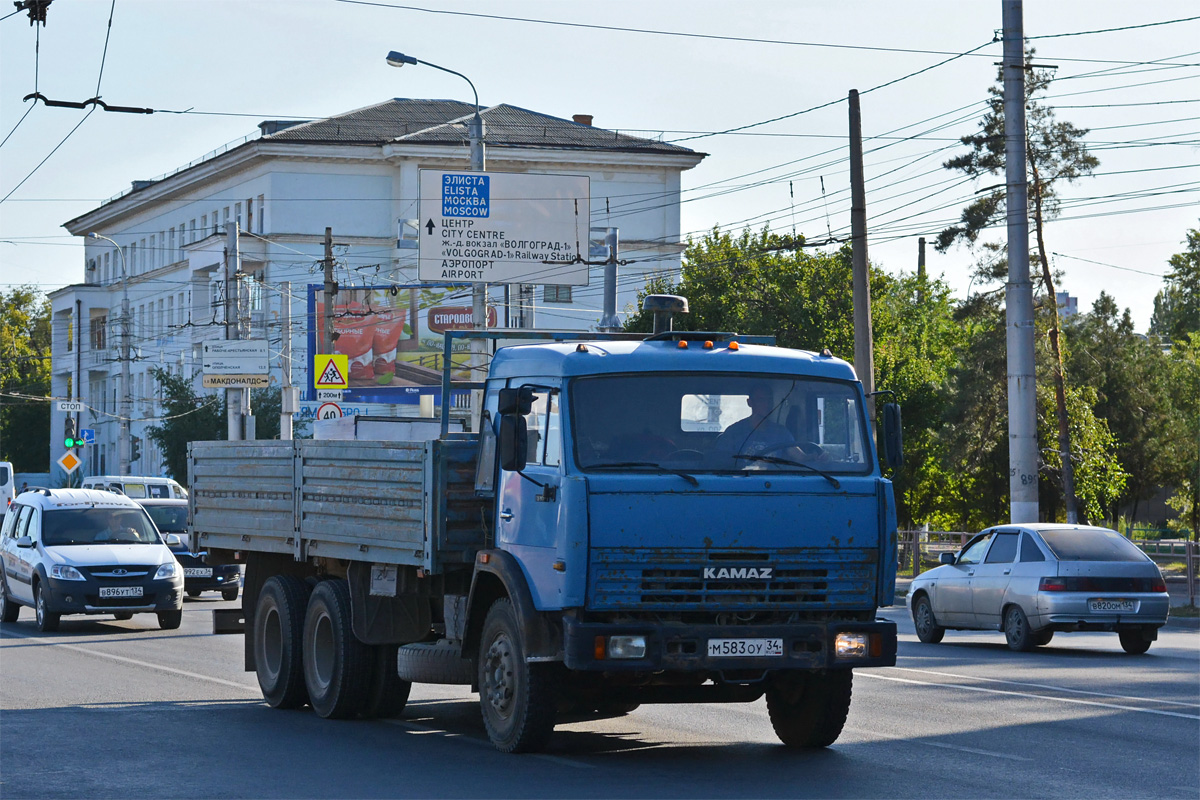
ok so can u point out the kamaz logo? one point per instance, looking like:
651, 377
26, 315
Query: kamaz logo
736, 573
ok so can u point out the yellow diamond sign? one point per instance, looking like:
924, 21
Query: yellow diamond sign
69, 462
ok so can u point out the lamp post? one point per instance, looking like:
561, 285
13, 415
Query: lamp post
478, 164
125, 406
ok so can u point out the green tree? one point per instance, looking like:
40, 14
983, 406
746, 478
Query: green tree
1055, 152
25, 379
1184, 433
1177, 305
186, 417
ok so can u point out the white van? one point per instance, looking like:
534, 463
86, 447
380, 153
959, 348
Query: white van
137, 487
8, 485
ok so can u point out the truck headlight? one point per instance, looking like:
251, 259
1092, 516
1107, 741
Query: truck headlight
851, 645
626, 647
165, 571
65, 572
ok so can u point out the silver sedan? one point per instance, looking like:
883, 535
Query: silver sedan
1035, 579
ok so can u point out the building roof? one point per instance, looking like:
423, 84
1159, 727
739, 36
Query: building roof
442, 122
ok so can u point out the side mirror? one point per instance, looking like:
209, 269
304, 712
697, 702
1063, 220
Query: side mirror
24, 541
893, 436
512, 443
173, 540
946, 558
516, 401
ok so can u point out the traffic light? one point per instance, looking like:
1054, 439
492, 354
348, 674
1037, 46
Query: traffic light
135, 448
70, 435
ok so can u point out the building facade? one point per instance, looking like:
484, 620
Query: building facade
357, 174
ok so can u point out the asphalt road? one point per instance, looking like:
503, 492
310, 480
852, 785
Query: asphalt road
122, 709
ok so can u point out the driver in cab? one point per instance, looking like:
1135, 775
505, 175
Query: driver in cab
756, 435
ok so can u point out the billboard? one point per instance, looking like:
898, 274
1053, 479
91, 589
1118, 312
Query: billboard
392, 339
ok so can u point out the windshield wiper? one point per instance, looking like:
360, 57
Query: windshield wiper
647, 464
790, 463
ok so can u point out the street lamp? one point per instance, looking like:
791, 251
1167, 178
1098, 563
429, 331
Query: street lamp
125, 407
478, 164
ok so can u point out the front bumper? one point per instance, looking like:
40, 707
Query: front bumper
684, 648
83, 597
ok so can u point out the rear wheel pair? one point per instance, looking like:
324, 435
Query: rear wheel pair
808, 710
305, 651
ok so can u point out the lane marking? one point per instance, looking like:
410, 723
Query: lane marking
414, 727
974, 750
1046, 686
1113, 706
567, 762
136, 663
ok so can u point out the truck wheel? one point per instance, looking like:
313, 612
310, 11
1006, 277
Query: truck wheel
435, 662
170, 620
387, 692
519, 700
47, 622
336, 664
9, 610
278, 632
809, 710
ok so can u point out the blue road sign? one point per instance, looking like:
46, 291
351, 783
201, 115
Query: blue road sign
88, 435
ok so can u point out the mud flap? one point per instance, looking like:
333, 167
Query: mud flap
377, 619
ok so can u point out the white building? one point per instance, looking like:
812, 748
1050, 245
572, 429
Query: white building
356, 173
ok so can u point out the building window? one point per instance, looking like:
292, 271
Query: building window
70, 335
237, 214
192, 231
171, 311
133, 258
182, 319
99, 332
105, 278
216, 228
556, 294
262, 208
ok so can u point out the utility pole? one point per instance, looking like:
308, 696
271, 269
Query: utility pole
1018, 306
609, 321
79, 366
920, 270
288, 400
233, 397
124, 407
327, 295
864, 357
479, 291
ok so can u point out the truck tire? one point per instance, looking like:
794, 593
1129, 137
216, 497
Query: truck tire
809, 710
519, 700
336, 664
278, 633
435, 662
387, 692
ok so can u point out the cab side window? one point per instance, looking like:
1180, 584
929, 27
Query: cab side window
973, 553
23, 528
10, 521
1004, 549
544, 430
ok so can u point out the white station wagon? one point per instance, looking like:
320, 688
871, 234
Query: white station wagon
83, 551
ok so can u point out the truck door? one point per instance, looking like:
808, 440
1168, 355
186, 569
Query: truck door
953, 603
991, 578
527, 503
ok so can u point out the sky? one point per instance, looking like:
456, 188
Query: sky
229, 65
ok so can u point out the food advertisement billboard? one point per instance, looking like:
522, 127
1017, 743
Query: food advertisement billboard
392, 339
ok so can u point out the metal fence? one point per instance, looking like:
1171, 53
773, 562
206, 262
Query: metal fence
920, 550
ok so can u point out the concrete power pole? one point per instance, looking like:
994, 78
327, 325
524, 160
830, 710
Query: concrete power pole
479, 291
864, 357
610, 321
1022, 398
288, 400
126, 404
233, 397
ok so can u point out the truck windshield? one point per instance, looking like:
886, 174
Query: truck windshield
97, 526
715, 422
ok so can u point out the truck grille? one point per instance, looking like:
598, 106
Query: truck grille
800, 578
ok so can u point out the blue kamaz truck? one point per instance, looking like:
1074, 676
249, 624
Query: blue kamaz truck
674, 518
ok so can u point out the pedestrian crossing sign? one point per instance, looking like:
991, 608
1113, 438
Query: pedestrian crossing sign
331, 371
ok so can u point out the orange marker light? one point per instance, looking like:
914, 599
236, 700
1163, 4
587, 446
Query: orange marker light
733, 345
682, 344
599, 652
708, 345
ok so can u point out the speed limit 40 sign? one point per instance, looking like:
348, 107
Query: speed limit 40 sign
329, 411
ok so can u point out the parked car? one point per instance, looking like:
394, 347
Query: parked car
82, 551
136, 486
170, 516
1034, 580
